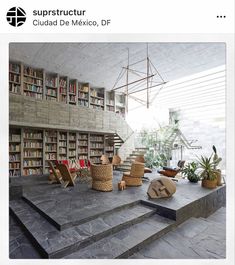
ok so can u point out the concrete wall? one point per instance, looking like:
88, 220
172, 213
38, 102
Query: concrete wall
29, 112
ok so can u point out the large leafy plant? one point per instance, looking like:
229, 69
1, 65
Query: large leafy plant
206, 165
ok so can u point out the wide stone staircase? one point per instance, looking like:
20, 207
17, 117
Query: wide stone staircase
115, 233
126, 165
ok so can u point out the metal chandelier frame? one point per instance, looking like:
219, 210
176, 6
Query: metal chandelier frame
145, 82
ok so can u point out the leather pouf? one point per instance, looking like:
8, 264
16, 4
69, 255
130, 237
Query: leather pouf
161, 187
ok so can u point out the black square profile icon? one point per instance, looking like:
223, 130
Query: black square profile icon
16, 16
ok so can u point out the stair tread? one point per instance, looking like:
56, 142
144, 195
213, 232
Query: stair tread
118, 244
53, 241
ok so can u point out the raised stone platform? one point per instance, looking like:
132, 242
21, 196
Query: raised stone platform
82, 223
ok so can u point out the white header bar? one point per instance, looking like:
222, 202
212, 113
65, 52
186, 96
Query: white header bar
122, 16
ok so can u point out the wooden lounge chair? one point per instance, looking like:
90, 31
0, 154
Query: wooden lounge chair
134, 177
172, 172
104, 160
56, 174
68, 178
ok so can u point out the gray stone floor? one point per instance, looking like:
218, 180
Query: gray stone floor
197, 238
70, 206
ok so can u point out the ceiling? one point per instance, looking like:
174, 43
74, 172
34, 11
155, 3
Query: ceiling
100, 63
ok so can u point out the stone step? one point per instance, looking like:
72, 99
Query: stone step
124, 243
53, 243
141, 148
81, 216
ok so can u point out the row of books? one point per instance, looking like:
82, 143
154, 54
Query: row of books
14, 78
15, 157
50, 147
32, 171
96, 138
33, 72
96, 153
32, 144
14, 88
51, 81
51, 156
97, 145
14, 165
28, 163
33, 88
14, 147
36, 153
14, 137
32, 135
33, 81
32, 95
13, 67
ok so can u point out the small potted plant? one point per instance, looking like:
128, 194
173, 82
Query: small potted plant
190, 172
208, 175
216, 161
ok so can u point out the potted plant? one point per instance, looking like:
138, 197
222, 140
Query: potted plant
208, 175
190, 172
217, 160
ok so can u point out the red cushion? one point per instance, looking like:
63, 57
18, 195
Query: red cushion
73, 170
82, 163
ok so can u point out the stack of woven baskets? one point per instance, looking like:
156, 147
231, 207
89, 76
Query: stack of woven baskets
102, 176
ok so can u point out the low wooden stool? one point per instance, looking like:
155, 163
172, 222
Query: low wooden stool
122, 185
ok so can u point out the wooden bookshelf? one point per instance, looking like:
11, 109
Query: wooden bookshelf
73, 91
33, 82
109, 148
96, 147
97, 98
39, 84
120, 105
63, 146
32, 152
82, 144
51, 86
72, 146
15, 78
50, 138
63, 89
110, 101
83, 95
14, 152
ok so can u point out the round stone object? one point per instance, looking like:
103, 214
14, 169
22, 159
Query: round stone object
161, 187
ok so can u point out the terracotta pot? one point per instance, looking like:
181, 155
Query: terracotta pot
209, 184
219, 177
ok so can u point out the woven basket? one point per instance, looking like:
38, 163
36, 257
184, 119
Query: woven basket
209, 184
132, 181
102, 172
102, 185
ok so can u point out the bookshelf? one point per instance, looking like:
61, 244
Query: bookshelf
83, 95
33, 82
39, 84
14, 152
72, 146
51, 86
15, 78
62, 146
110, 101
63, 89
96, 147
109, 148
97, 98
32, 152
50, 148
120, 105
72, 91
82, 144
